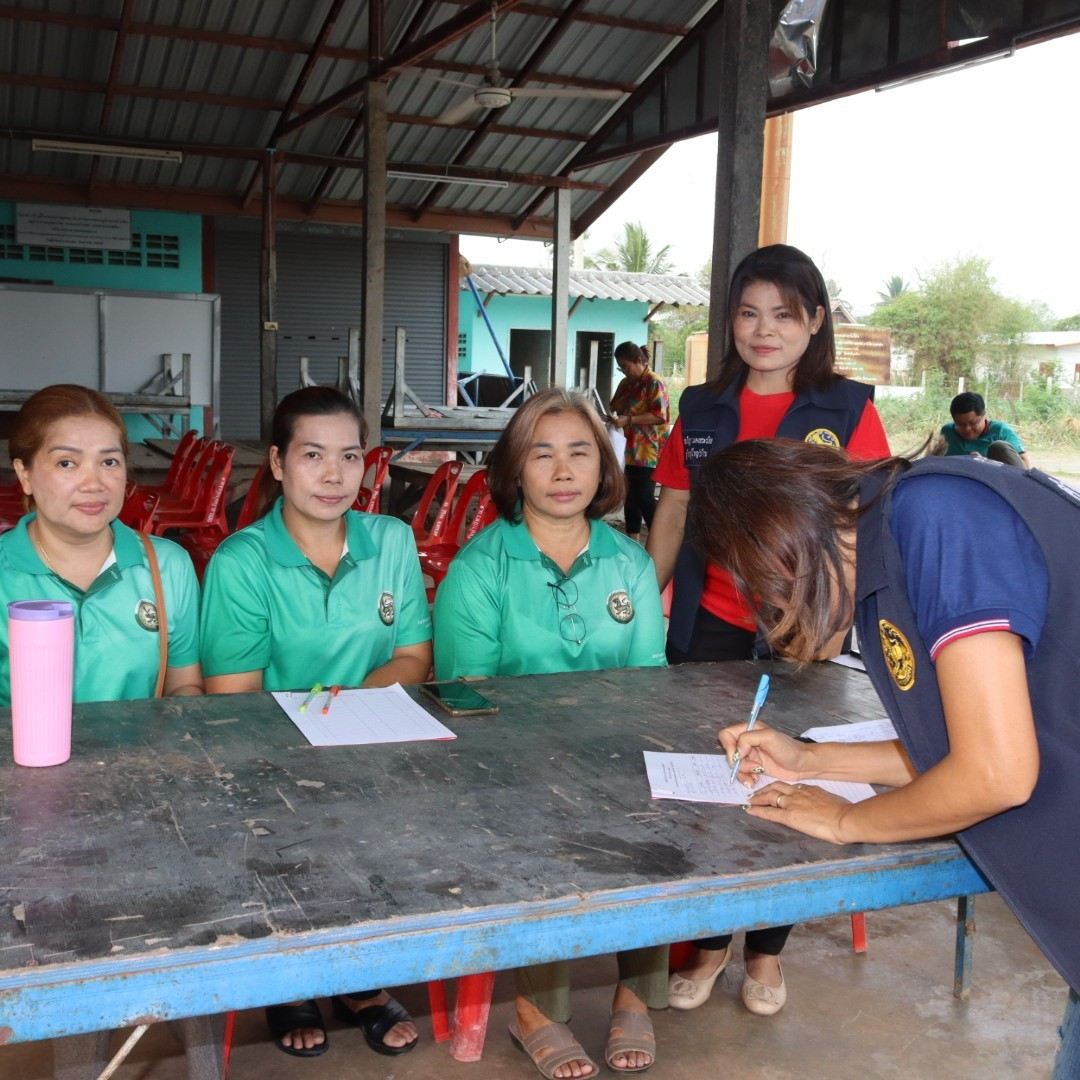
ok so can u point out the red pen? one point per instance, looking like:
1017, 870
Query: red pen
330, 695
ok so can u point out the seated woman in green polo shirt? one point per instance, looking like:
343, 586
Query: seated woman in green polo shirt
549, 587
314, 592
69, 450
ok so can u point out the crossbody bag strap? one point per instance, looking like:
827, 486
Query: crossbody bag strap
159, 603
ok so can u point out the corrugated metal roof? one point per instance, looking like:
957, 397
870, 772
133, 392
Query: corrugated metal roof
591, 284
218, 81
206, 76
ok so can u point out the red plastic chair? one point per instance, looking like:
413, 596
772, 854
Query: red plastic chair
376, 470
139, 508
189, 480
444, 479
251, 499
185, 449
12, 506
462, 527
206, 513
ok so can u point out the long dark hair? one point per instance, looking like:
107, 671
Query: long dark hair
507, 459
307, 401
803, 288
780, 517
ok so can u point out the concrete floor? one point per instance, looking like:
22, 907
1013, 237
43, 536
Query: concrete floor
888, 1014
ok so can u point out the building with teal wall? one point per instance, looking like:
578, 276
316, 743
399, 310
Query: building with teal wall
606, 308
165, 256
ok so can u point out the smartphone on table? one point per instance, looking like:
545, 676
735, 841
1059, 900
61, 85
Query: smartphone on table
458, 699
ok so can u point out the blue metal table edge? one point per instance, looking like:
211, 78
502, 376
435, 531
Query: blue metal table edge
69, 997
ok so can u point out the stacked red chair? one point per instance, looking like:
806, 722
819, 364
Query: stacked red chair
465, 521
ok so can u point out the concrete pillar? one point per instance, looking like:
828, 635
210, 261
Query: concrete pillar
560, 288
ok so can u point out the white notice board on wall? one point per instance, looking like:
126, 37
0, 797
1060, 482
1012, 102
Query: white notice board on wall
98, 227
108, 339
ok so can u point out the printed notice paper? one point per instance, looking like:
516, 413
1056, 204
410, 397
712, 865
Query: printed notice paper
384, 714
707, 778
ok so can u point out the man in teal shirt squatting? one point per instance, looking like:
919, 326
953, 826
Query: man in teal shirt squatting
971, 432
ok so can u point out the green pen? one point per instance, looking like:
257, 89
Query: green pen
316, 689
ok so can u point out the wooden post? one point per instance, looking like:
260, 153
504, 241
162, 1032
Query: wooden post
374, 255
744, 91
560, 288
776, 180
268, 334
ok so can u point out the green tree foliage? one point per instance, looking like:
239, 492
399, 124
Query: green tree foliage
1071, 323
894, 287
635, 253
673, 326
956, 322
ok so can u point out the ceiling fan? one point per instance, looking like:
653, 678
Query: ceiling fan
488, 94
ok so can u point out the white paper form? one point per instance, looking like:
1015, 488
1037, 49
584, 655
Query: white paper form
384, 714
864, 731
707, 778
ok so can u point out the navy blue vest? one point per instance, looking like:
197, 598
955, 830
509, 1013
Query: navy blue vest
1031, 853
710, 421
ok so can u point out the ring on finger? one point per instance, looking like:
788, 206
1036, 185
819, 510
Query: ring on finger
779, 794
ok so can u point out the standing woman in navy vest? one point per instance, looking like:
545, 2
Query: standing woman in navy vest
971, 646
776, 379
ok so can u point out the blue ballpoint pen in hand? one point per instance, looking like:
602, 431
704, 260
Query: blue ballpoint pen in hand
759, 700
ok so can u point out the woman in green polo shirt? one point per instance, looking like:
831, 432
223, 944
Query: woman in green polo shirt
69, 450
314, 592
549, 587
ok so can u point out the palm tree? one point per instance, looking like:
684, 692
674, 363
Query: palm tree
634, 253
894, 287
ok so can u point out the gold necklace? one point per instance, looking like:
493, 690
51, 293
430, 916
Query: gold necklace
40, 547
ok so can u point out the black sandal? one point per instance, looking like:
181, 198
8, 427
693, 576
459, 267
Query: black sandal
375, 1021
284, 1019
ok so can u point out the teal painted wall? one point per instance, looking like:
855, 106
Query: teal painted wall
476, 351
168, 259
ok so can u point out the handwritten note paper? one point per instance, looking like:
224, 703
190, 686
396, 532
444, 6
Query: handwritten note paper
707, 778
360, 717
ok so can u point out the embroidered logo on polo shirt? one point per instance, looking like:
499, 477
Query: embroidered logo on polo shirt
899, 658
146, 615
823, 437
386, 608
619, 606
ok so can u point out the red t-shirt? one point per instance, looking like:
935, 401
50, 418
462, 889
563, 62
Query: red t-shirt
759, 417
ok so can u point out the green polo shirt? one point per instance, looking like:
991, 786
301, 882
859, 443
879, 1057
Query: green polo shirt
496, 614
995, 430
116, 644
267, 608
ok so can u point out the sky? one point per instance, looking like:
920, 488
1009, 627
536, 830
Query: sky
983, 161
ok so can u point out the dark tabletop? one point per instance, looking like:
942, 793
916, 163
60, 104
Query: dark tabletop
179, 822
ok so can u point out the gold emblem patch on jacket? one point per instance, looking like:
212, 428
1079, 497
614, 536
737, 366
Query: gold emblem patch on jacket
822, 437
146, 615
899, 658
620, 607
386, 608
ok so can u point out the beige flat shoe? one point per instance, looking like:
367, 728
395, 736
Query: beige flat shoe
763, 1000
684, 993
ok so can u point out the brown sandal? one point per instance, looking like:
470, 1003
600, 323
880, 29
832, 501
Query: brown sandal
560, 1044
635, 1036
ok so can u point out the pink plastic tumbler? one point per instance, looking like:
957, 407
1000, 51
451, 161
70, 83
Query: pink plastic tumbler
41, 641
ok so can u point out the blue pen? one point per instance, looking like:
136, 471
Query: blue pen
759, 700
